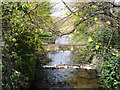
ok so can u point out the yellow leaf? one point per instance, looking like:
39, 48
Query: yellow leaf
93, 6
113, 53
108, 22
96, 47
110, 47
95, 19
90, 39
77, 13
80, 18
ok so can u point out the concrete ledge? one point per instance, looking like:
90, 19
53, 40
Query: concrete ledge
88, 67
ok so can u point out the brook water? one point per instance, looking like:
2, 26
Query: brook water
67, 77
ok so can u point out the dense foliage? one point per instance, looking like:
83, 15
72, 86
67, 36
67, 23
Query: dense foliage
22, 25
100, 21
102, 43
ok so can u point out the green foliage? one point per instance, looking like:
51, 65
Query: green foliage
103, 39
67, 12
100, 43
22, 43
110, 76
45, 34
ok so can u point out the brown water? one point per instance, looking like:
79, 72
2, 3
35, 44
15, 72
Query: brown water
65, 78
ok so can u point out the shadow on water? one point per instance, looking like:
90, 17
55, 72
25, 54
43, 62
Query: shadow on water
64, 78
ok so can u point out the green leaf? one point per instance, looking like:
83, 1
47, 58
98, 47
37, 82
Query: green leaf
13, 39
16, 34
45, 34
71, 35
7, 45
67, 12
61, 8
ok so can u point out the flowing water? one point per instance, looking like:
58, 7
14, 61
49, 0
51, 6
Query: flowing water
68, 77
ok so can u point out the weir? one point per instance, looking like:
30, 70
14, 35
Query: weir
58, 45
64, 66
63, 47
65, 69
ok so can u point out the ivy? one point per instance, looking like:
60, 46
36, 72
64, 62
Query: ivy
109, 76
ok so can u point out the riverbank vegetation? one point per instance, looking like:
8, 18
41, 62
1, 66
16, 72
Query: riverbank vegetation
22, 25
101, 23
24, 22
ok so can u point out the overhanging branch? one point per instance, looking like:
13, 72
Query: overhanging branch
68, 7
84, 19
106, 11
37, 5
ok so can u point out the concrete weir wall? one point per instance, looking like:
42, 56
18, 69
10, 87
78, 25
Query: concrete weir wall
62, 47
98, 61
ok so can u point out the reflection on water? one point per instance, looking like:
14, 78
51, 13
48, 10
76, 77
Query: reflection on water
67, 78
72, 78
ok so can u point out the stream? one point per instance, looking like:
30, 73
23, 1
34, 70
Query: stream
67, 77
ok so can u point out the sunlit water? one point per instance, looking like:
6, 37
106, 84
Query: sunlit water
65, 78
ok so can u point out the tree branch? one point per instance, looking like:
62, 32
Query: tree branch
104, 11
84, 19
37, 5
68, 7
